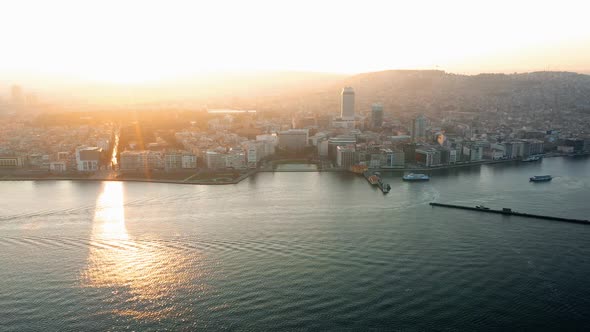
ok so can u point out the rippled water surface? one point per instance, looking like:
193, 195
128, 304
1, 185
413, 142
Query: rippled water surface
298, 251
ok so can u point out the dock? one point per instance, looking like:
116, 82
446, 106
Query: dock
509, 212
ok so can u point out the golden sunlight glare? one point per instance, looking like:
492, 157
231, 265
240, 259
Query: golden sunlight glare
138, 41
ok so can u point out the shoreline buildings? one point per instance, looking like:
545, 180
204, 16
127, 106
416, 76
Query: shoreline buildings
242, 139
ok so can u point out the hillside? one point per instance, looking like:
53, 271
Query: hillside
431, 91
401, 91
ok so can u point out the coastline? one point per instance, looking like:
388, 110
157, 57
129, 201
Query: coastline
470, 164
226, 181
117, 180
213, 181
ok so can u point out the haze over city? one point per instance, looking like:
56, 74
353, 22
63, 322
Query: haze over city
138, 41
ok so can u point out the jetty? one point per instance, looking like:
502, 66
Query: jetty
509, 212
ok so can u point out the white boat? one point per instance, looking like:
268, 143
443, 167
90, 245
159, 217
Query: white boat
416, 177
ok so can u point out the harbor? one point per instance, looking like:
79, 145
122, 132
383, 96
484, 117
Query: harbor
510, 212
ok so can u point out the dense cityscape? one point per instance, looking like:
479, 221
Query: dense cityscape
224, 145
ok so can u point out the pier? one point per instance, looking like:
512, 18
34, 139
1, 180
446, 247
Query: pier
509, 212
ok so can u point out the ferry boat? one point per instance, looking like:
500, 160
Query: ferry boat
416, 177
540, 178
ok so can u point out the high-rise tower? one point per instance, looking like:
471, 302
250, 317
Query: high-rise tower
377, 115
418, 127
347, 107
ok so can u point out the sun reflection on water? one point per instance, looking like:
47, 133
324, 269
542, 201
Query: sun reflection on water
141, 275
109, 216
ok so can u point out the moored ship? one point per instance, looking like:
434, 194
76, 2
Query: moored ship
416, 177
373, 178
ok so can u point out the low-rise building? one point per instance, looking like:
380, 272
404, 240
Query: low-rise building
189, 161
215, 160
255, 151
345, 156
58, 166
235, 158
576, 144
565, 149
392, 158
293, 139
335, 142
534, 147
88, 159
63, 156
270, 142
428, 156
173, 161
323, 148
141, 161
177, 160
343, 123
493, 153
11, 162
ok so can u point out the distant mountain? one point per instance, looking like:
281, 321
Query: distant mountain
400, 91
432, 90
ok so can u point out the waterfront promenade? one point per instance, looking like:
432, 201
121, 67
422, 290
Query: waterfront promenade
223, 178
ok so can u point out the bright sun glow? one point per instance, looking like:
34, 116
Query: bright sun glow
137, 41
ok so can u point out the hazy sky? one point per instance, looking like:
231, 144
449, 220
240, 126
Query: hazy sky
134, 41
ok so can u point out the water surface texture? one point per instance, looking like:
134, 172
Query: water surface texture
284, 251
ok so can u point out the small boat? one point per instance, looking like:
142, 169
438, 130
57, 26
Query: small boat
532, 158
416, 177
385, 187
540, 178
481, 207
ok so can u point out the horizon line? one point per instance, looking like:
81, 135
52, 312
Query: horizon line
13, 79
